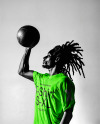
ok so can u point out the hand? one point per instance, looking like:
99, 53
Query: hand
28, 48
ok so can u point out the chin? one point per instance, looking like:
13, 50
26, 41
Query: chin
46, 66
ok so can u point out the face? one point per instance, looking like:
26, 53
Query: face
48, 61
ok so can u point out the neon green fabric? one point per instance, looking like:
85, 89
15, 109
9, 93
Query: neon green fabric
54, 94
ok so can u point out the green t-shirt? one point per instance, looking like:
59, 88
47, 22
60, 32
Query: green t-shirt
54, 94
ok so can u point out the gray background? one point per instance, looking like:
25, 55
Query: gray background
58, 21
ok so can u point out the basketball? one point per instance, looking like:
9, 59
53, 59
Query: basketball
28, 36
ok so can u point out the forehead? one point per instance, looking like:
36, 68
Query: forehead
55, 50
51, 52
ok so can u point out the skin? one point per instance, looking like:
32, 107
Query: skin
49, 62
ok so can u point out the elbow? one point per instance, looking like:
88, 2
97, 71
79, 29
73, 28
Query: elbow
20, 73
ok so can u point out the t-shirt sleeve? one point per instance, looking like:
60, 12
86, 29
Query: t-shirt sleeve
67, 92
37, 77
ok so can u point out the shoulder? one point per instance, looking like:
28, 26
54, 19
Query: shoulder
61, 77
38, 74
38, 77
65, 80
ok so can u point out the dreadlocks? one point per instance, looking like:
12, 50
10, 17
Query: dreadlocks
70, 57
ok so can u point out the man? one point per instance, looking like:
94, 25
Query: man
54, 100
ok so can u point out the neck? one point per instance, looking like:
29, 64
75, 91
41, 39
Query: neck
54, 71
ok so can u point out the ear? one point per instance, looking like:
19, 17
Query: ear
57, 59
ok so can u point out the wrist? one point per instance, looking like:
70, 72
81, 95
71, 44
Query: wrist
27, 48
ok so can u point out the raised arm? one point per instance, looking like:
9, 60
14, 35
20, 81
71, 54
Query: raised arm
24, 65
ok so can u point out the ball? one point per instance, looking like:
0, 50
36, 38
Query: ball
28, 36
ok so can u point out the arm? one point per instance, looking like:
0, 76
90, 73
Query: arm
67, 116
70, 100
24, 65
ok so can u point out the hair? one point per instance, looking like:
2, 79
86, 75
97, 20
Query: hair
70, 58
